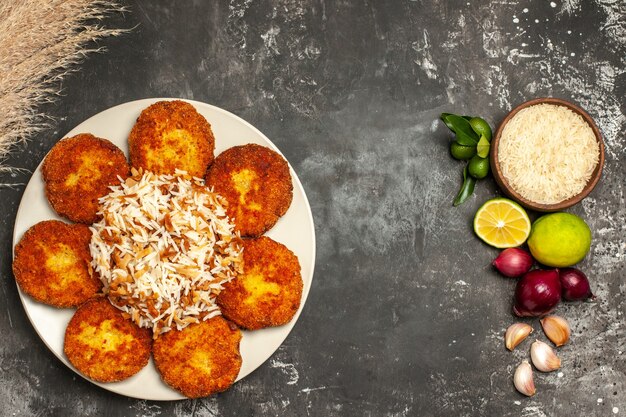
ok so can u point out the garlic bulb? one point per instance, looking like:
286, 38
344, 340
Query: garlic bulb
556, 329
543, 357
515, 334
523, 379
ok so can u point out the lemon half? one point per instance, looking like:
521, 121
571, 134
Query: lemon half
502, 223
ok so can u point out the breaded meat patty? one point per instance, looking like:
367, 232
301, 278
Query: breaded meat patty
78, 171
268, 293
52, 264
256, 182
103, 345
201, 359
171, 135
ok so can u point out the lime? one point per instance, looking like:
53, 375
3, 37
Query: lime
559, 239
482, 149
502, 223
459, 151
478, 167
481, 127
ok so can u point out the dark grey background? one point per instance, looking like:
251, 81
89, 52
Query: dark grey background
405, 316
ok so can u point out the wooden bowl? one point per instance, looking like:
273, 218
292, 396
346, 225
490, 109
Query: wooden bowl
508, 190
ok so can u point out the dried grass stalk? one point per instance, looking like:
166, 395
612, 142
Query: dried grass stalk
41, 41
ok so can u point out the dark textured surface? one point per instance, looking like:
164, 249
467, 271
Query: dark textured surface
405, 317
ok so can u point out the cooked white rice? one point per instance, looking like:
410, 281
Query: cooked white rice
163, 249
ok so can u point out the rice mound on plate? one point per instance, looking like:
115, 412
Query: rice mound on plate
164, 248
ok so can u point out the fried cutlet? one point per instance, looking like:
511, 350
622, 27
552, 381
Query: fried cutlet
103, 345
268, 293
52, 264
78, 171
201, 359
171, 135
256, 182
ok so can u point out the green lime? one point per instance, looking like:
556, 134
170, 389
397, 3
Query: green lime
481, 127
559, 239
478, 167
459, 151
482, 149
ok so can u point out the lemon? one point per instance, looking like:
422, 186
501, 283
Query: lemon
559, 239
502, 223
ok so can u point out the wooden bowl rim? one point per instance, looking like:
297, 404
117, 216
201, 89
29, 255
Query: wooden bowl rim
503, 183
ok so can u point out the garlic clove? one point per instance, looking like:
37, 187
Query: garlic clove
556, 329
523, 379
515, 334
543, 357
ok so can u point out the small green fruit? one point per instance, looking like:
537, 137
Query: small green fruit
461, 152
478, 167
481, 127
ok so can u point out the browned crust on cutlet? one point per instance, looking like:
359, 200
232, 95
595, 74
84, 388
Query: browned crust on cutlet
103, 345
78, 171
257, 185
171, 135
201, 359
269, 291
52, 264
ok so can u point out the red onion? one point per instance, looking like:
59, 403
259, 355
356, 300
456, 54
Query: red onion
574, 284
537, 293
513, 262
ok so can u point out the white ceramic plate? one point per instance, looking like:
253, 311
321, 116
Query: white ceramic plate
295, 230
